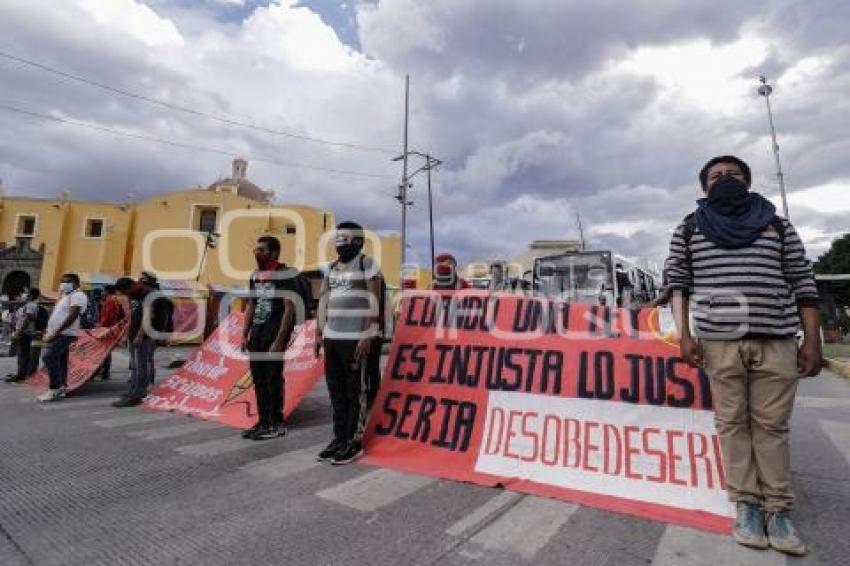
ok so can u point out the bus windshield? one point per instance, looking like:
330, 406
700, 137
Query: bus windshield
579, 276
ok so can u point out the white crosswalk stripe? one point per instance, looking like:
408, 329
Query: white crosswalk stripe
174, 431
682, 546
287, 464
822, 402
375, 490
70, 404
525, 528
101, 412
218, 446
134, 419
483, 513
839, 433
234, 442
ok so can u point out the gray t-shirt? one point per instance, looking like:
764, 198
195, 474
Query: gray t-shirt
349, 303
29, 308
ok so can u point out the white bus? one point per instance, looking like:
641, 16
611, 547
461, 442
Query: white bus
597, 277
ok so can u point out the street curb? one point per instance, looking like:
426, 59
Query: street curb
837, 367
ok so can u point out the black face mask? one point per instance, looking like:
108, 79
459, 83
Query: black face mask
727, 194
347, 252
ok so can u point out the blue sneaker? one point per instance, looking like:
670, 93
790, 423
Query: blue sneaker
783, 536
749, 526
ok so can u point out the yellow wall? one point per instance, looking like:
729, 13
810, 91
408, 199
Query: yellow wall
121, 249
240, 221
60, 229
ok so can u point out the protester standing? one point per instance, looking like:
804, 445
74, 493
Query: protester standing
750, 286
62, 329
166, 308
141, 337
269, 320
445, 276
111, 313
348, 313
25, 330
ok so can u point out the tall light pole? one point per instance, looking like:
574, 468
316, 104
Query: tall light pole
765, 90
430, 163
431, 209
402, 189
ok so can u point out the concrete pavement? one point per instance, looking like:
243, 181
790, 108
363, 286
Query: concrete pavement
84, 483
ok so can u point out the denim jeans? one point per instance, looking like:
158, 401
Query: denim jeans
56, 359
24, 347
142, 360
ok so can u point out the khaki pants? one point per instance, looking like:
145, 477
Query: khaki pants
753, 383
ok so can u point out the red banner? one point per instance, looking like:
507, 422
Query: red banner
586, 404
215, 382
87, 353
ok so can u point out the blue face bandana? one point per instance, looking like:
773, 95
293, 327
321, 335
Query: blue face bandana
731, 216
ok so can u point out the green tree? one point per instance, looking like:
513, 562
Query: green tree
837, 261
837, 258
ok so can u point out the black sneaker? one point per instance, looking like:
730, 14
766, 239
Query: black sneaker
281, 429
327, 454
267, 433
249, 433
127, 402
347, 454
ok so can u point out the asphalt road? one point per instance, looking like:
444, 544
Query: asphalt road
84, 483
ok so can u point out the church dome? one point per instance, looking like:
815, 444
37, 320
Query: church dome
239, 185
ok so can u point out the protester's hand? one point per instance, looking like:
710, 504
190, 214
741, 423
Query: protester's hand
317, 346
137, 341
243, 345
362, 350
279, 345
691, 351
809, 358
48, 338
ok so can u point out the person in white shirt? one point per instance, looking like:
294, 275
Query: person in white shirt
62, 329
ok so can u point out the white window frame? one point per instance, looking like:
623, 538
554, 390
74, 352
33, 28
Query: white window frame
18, 217
196, 209
86, 221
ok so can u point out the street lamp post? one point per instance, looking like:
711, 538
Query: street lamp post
430, 163
210, 242
402, 189
765, 90
430, 212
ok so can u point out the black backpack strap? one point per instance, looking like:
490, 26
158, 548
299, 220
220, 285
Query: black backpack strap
689, 225
688, 228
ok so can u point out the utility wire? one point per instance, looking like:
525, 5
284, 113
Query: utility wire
144, 137
191, 111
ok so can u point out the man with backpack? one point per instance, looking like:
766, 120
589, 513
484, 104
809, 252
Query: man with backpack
348, 323
29, 320
165, 308
750, 287
142, 337
269, 320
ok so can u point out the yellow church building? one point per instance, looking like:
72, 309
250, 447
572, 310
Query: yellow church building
205, 235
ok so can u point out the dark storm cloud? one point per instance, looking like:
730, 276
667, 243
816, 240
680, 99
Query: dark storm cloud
533, 41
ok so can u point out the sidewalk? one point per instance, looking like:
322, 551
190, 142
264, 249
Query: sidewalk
837, 358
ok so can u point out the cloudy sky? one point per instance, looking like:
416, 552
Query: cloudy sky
540, 109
